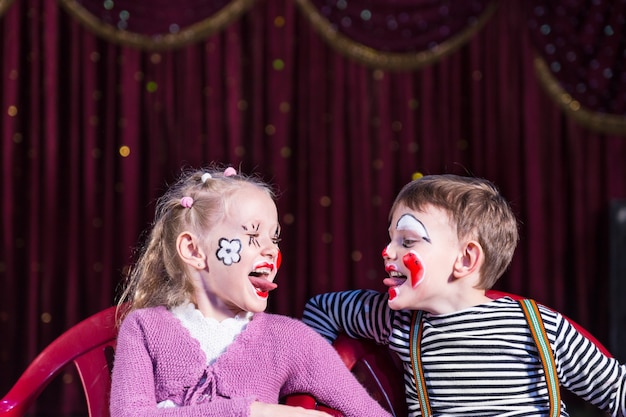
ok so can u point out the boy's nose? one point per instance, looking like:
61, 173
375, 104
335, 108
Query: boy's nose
388, 252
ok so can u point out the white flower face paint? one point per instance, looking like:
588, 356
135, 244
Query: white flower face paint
229, 251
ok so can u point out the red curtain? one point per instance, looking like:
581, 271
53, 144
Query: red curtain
94, 125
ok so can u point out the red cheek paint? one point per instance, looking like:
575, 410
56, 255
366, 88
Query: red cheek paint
279, 260
413, 264
392, 293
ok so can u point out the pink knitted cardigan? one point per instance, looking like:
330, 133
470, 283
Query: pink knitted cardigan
156, 359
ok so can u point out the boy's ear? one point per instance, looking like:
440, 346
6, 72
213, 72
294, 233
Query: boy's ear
470, 260
189, 250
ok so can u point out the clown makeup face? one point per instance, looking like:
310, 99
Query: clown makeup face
242, 255
419, 257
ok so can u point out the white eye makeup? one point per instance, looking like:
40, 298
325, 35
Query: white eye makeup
409, 223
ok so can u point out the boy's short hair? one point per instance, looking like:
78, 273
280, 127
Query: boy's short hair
476, 209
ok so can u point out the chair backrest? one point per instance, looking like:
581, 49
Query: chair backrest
90, 346
378, 369
499, 294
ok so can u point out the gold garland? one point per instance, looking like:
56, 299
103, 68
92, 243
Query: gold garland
389, 60
596, 121
193, 33
4, 6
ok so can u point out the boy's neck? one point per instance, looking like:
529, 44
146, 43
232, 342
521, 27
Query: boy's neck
457, 301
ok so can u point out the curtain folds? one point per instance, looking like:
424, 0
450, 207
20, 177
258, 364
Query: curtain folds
578, 46
93, 129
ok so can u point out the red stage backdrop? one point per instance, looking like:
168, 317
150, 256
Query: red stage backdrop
338, 103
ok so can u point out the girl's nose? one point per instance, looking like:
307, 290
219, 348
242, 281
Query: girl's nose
270, 249
273, 252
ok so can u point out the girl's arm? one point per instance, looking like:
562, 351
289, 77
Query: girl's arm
318, 370
358, 313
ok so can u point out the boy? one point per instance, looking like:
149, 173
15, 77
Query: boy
464, 354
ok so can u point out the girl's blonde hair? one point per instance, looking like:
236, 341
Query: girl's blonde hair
476, 209
159, 276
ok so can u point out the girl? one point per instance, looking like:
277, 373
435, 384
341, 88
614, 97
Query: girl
194, 340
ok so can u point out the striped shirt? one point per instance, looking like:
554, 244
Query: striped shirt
481, 361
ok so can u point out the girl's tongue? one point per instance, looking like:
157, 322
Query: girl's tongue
262, 284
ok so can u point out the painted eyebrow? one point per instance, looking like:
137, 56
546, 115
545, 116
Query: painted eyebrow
409, 222
255, 227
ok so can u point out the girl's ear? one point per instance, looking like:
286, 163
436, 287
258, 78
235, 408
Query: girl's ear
190, 251
470, 260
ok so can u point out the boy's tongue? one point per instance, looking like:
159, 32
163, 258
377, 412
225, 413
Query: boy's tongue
262, 283
392, 282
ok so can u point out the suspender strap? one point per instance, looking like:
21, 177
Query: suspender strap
416, 357
531, 312
529, 307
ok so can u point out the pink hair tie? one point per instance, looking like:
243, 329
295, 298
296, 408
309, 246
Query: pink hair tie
186, 202
229, 172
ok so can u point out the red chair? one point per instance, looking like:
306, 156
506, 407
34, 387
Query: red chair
90, 346
499, 294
